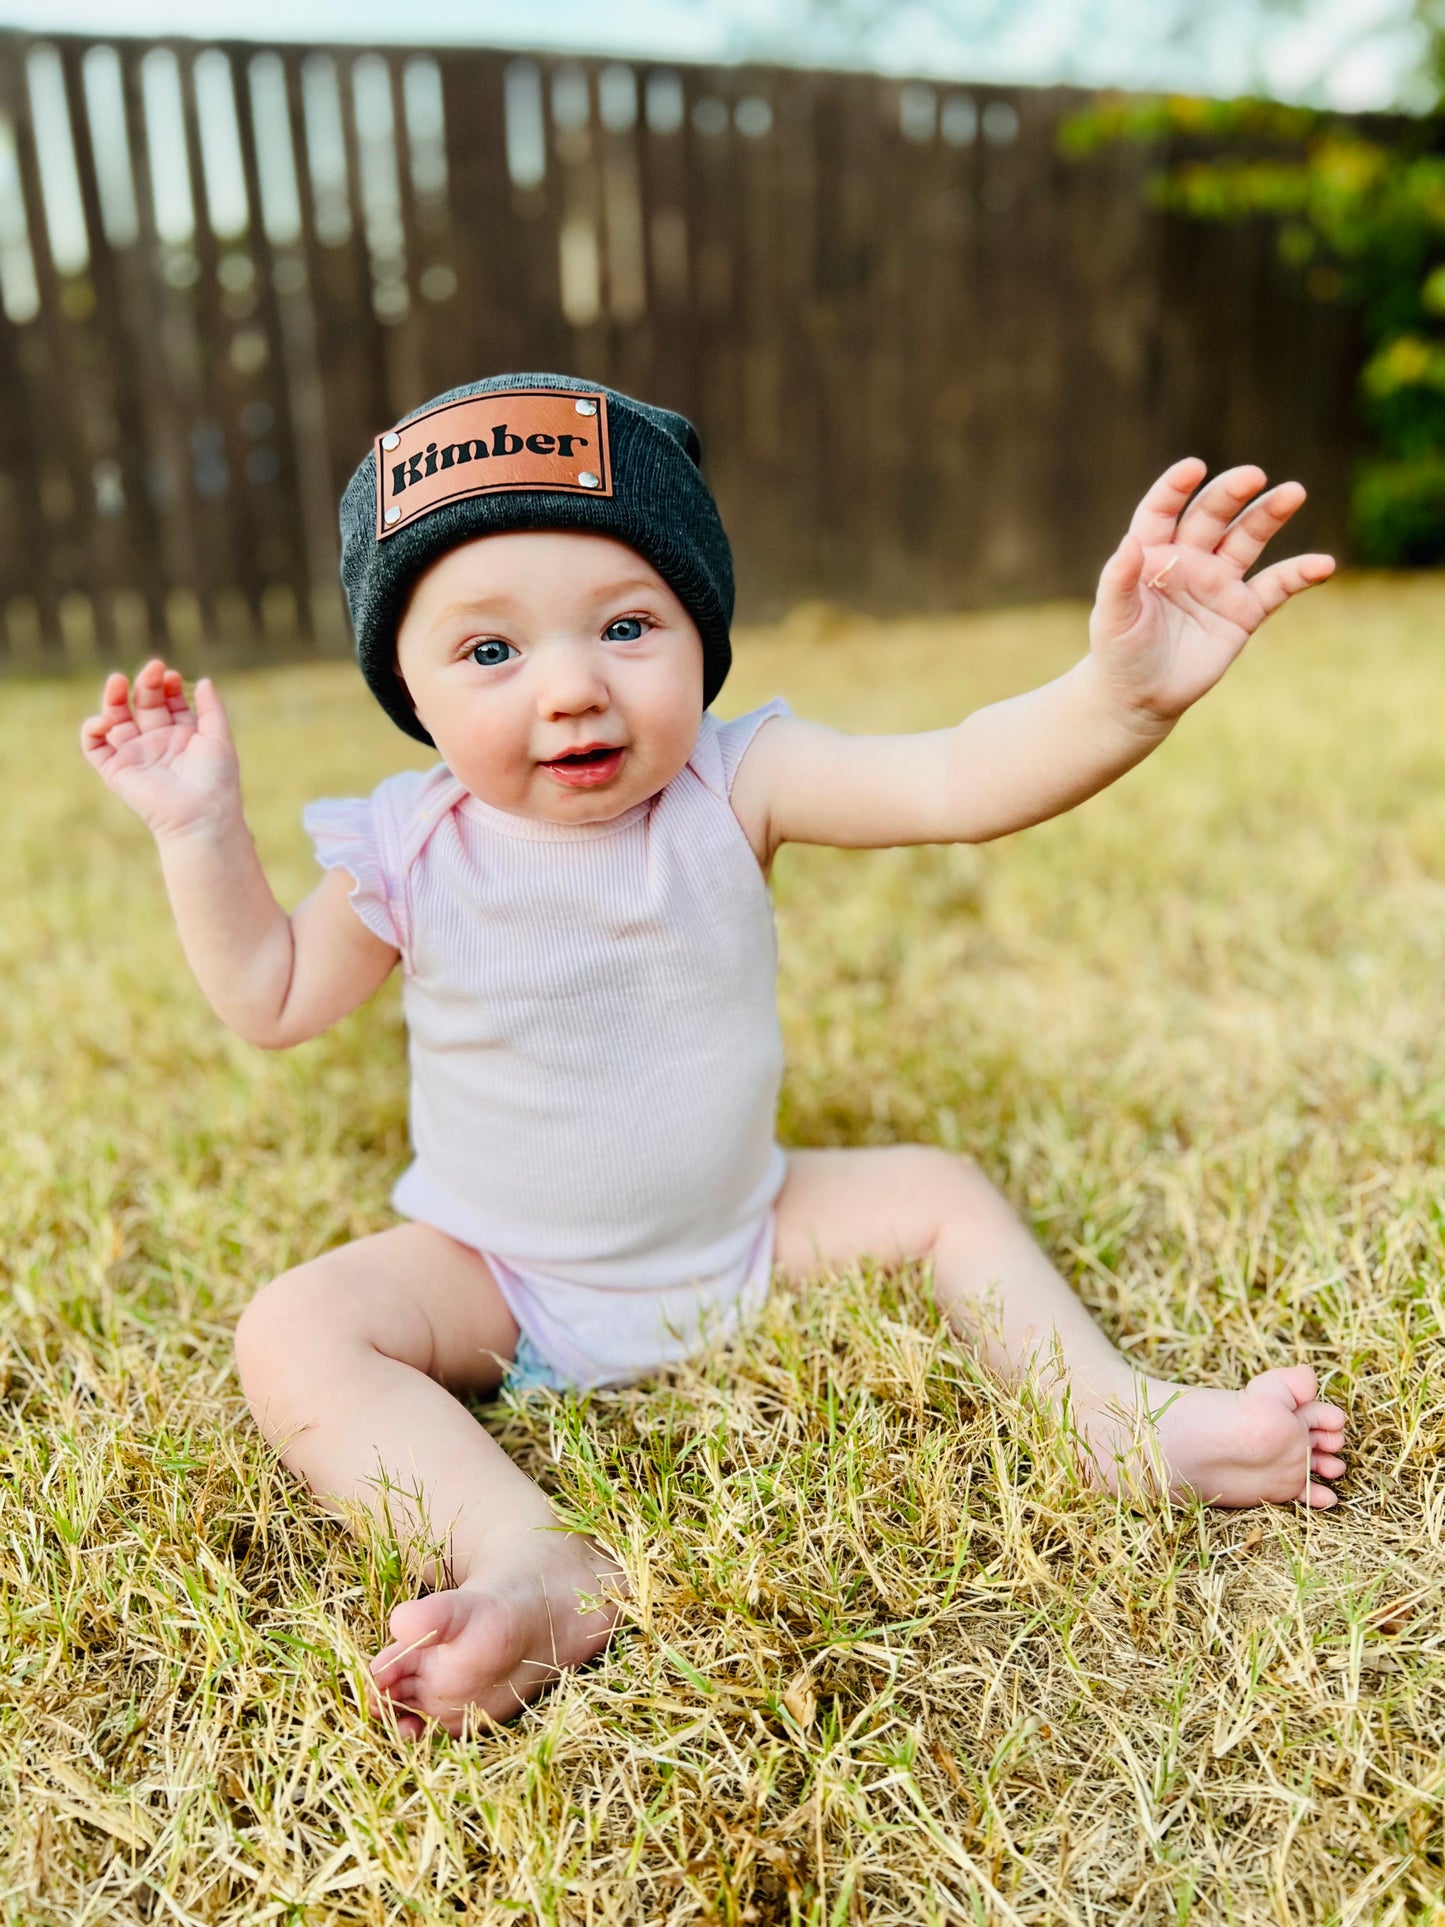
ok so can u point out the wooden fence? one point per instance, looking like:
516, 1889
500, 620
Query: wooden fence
931, 361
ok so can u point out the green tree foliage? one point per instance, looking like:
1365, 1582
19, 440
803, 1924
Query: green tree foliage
1359, 210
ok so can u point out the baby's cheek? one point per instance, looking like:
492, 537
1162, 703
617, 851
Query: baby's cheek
673, 720
492, 765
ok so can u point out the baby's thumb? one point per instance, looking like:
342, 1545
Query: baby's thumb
1117, 603
210, 714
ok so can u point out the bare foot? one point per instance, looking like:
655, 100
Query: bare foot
1270, 1444
501, 1636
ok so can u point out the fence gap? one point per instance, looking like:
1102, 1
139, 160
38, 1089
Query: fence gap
115, 178
175, 215
19, 289
326, 151
226, 201
275, 160
55, 150
380, 187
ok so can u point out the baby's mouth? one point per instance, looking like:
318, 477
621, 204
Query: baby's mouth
587, 768
580, 758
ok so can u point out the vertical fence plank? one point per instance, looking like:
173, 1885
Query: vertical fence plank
270, 430
130, 533
203, 364
667, 332
712, 223
151, 322
27, 354
50, 386
338, 283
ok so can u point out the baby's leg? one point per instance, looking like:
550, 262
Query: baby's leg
346, 1363
1273, 1441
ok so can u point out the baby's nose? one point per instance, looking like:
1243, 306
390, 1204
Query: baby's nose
570, 681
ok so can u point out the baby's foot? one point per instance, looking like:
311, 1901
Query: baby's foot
1270, 1444
501, 1636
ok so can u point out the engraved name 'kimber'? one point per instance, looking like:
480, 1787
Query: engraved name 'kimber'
504, 442
528, 438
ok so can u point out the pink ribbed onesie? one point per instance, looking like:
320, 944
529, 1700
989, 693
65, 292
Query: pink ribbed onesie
595, 1053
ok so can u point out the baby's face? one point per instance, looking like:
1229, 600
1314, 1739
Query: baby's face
557, 673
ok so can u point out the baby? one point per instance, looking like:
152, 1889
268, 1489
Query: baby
577, 896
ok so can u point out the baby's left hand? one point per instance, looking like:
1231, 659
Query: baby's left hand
1173, 609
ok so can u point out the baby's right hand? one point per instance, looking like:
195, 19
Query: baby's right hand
175, 767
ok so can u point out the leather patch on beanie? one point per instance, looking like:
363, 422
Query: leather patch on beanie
515, 438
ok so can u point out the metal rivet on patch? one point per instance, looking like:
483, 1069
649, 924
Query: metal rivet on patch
393, 514
390, 441
589, 480
586, 408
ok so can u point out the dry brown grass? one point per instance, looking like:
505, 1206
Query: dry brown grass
887, 1662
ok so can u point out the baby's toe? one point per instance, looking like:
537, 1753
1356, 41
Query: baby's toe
397, 1661
1320, 1496
409, 1723
1295, 1384
1325, 1465
426, 1621
1320, 1416
393, 1698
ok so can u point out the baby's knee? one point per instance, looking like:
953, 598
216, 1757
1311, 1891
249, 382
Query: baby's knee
292, 1322
277, 1324
942, 1175
322, 1314
949, 1189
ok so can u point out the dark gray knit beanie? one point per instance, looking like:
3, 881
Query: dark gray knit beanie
529, 452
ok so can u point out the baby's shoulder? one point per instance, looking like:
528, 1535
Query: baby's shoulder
408, 807
721, 746
390, 827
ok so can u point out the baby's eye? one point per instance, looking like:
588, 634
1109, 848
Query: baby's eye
638, 627
489, 652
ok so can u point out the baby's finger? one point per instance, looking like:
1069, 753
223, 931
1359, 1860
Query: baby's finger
102, 738
1257, 525
1157, 515
1116, 606
211, 719
94, 746
115, 698
102, 734
1207, 518
154, 704
1277, 584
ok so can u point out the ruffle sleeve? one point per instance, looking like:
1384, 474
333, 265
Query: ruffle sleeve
735, 737
348, 837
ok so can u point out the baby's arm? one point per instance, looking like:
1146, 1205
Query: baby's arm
1172, 613
274, 980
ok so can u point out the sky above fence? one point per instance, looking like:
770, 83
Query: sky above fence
1353, 54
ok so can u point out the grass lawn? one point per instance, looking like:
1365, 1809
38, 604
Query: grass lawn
886, 1661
